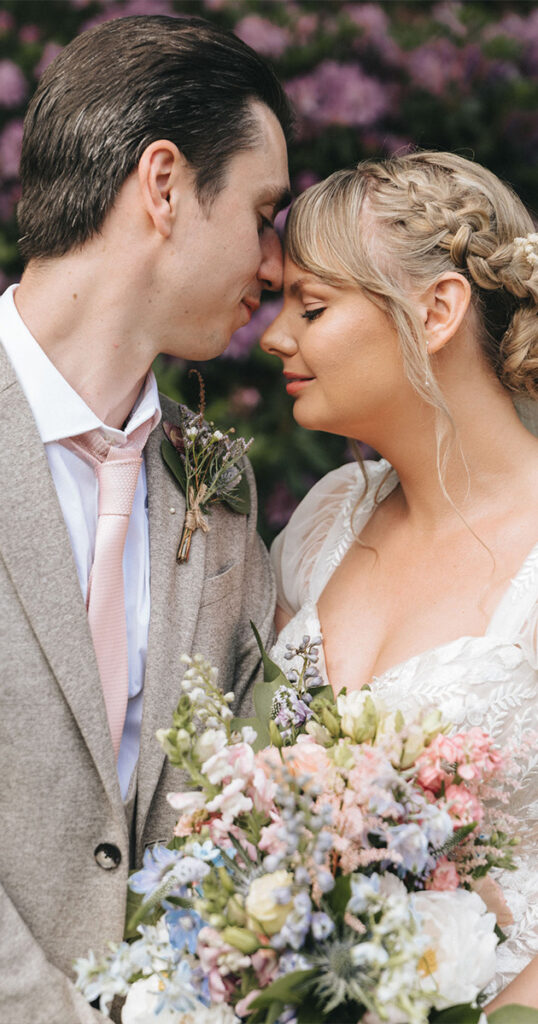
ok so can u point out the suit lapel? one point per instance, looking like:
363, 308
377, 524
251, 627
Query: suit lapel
175, 598
37, 552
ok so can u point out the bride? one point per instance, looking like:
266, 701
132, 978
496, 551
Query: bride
410, 323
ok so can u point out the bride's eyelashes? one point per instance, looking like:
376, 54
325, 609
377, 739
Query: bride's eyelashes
312, 314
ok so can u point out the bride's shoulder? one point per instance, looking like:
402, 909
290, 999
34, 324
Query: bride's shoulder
328, 503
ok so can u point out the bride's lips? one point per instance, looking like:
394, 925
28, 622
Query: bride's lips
296, 382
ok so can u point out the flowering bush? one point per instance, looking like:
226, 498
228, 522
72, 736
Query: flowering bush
367, 79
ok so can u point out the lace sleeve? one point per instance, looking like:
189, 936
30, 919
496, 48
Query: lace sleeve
295, 550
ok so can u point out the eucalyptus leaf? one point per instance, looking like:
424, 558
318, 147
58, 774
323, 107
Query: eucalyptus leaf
174, 462
513, 1014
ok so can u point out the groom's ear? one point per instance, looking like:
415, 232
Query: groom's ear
442, 308
162, 172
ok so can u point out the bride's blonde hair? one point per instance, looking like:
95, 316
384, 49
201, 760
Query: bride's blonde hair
395, 226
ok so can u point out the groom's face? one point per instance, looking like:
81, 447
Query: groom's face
227, 254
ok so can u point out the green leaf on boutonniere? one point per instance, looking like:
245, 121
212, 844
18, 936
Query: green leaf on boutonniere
174, 462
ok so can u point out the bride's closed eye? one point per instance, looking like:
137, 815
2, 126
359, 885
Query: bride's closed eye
312, 314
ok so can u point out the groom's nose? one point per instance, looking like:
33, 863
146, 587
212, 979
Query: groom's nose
271, 266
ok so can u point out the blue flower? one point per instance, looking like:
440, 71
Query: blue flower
157, 862
209, 852
411, 843
183, 927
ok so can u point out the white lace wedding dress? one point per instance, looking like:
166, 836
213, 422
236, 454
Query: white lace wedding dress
489, 681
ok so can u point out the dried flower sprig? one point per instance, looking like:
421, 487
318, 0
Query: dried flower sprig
204, 462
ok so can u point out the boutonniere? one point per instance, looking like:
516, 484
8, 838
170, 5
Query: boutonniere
204, 462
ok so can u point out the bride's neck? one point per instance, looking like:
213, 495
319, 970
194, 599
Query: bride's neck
473, 465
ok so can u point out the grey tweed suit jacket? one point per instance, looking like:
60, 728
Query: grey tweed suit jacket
59, 792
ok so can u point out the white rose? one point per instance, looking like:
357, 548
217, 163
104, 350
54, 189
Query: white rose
219, 1013
460, 957
261, 905
141, 1001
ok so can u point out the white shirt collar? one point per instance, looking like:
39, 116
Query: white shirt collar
58, 409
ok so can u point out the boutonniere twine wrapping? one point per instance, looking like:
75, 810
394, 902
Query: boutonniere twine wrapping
204, 462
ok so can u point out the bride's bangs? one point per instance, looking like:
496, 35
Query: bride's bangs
318, 237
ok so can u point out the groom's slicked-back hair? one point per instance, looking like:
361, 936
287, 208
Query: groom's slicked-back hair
113, 91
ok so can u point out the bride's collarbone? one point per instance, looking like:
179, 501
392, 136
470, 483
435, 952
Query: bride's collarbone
382, 607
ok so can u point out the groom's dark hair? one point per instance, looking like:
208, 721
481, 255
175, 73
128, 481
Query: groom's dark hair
113, 91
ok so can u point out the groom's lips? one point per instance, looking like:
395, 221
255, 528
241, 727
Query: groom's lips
295, 382
251, 305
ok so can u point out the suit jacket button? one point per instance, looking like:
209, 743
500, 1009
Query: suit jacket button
107, 856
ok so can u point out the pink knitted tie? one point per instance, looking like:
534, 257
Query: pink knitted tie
117, 472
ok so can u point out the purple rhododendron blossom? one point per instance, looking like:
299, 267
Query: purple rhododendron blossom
7, 22
29, 34
266, 38
448, 14
13, 84
373, 22
10, 149
338, 94
242, 341
439, 64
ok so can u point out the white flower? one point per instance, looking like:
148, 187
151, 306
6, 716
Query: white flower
141, 1001
218, 1013
359, 715
261, 904
460, 959
218, 435
209, 743
186, 803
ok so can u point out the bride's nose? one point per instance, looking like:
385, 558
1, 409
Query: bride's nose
277, 340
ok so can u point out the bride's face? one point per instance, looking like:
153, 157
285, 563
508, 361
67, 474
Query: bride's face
341, 356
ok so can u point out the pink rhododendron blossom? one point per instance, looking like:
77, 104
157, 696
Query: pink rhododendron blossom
262, 35
13, 85
445, 878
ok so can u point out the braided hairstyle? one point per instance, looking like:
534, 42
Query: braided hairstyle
393, 227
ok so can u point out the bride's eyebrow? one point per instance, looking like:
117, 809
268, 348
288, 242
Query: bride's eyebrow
301, 284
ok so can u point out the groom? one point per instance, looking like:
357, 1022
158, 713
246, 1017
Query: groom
153, 164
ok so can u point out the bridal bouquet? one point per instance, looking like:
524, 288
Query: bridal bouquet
322, 868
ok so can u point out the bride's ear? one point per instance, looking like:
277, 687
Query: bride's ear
443, 307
